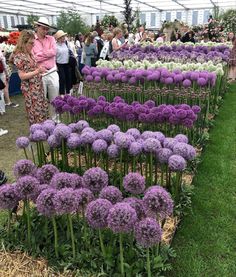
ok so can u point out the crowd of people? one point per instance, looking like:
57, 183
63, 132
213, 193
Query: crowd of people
51, 65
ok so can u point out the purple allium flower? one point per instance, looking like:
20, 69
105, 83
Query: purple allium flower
26, 187
89, 78
81, 124
83, 197
196, 109
95, 179
163, 155
8, 197
169, 143
38, 135
181, 149
157, 202
138, 205
62, 131
35, 127
105, 134
113, 128
151, 145
24, 167
201, 82
123, 140
76, 181
191, 153
53, 142
46, 202
65, 201
61, 180
147, 134
87, 138
177, 163
181, 138
188, 123
46, 172
135, 148
113, 151
97, 212
22, 142
74, 141
134, 132
99, 145
121, 218
187, 83
134, 183
111, 193
160, 136
48, 127
148, 232
40, 189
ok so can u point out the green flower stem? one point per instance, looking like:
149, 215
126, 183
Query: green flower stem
64, 155
102, 244
32, 151
72, 236
28, 222
150, 169
52, 156
9, 223
121, 157
38, 153
55, 235
121, 256
26, 156
148, 264
43, 153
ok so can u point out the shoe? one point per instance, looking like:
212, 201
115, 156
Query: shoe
3, 132
12, 105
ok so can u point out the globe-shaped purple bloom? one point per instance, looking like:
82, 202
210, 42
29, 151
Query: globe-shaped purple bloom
76, 181
53, 142
99, 146
177, 163
8, 197
35, 127
134, 183
135, 148
138, 205
163, 155
38, 135
157, 202
74, 141
148, 232
97, 212
61, 180
62, 131
187, 83
22, 142
113, 151
105, 134
95, 179
46, 172
121, 218
83, 196
46, 202
48, 127
113, 128
169, 143
81, 124
196, 109
111, 193
181, 149
26, 187
151, 145
181, 138
123, 140
65, 201
24, 167
134, 132
87, 138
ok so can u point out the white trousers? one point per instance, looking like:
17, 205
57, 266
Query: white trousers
2, 101
51, 89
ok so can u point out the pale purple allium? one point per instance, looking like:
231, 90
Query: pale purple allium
121, 218
8, 197
105, 134
87, 138
97, 213
62, 131
134, 132
61, 180
163, 155
48, 127
181, 138
81, 124
53, 142
134, 183
123, 140
38, 135
35, 127
76, 181
99, 146
147, 232
191, 153
138, 205
135, 149
46, 202
151, 145
24, 167
111, 193
65, 201
160, 136
95, 179
22, 142
181, 149
157, 202
177, 163
83, 196
74, 141
46, 172
169, 143
147, 134
26, 187
113, 151
113, 128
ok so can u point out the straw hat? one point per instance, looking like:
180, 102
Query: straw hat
43, 21
59, 34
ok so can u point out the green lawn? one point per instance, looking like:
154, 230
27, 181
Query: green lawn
206, 240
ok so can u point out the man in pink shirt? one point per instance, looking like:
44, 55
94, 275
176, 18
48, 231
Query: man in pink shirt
44, 51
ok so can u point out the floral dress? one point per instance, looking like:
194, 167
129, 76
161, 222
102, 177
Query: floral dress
32, 89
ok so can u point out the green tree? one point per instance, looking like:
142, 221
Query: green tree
32, 18
228, 20
128, 14
71, 22
109, 20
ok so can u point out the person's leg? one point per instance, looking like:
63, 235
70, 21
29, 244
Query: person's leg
67, 71
8, 102
53, 91
62, 78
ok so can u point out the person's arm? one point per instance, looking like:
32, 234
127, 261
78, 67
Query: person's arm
44, 54
26, 76
51, 52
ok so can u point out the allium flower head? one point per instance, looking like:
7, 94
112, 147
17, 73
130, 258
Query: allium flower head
74, 141
38, 135
105, 134
111, 193
181, 149
48, 127
46, 202
134, 183
53, 142
87, 138
113, 128
138, 205
169, 143
62, 131
83, 196
46, 172
113, 151
163, 155
121, 218
177, 163
148, 232
157, 202
151, 145
99, 145
8, 197
81, 124
65, 201
135, 148
134, 132
95, 179
27, 187
61, 180
35, 127
22, 142
123, 140
24, 167
181, 138
97, 212
76, 181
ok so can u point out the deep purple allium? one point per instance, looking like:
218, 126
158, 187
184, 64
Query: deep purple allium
39, 135
46, 172
123, 140
151, 145
87, 138
113, 128
97, 212
177, 163
148, 232
53, 142
8, 197
113, 151
181, 138
111, 193
22, 142
24, 167
62, 180
95, 179
46, 202
201, 82
169, 143
163, 155
26, 187
134, 183
105, 134
196, 109
74, 141
134, 132
187, 83
157, 202
62, 131
35, 127
65, 201
76, 181
83, 196
40, 189
135, 148
99, 146
121, 218
138, 205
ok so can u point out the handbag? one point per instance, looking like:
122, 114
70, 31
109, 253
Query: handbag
72, 59
2, 85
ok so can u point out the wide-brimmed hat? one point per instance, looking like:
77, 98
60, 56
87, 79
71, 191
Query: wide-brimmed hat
43, 21
59, 34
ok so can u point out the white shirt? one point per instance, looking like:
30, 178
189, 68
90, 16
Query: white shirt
62, 55
160, 39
